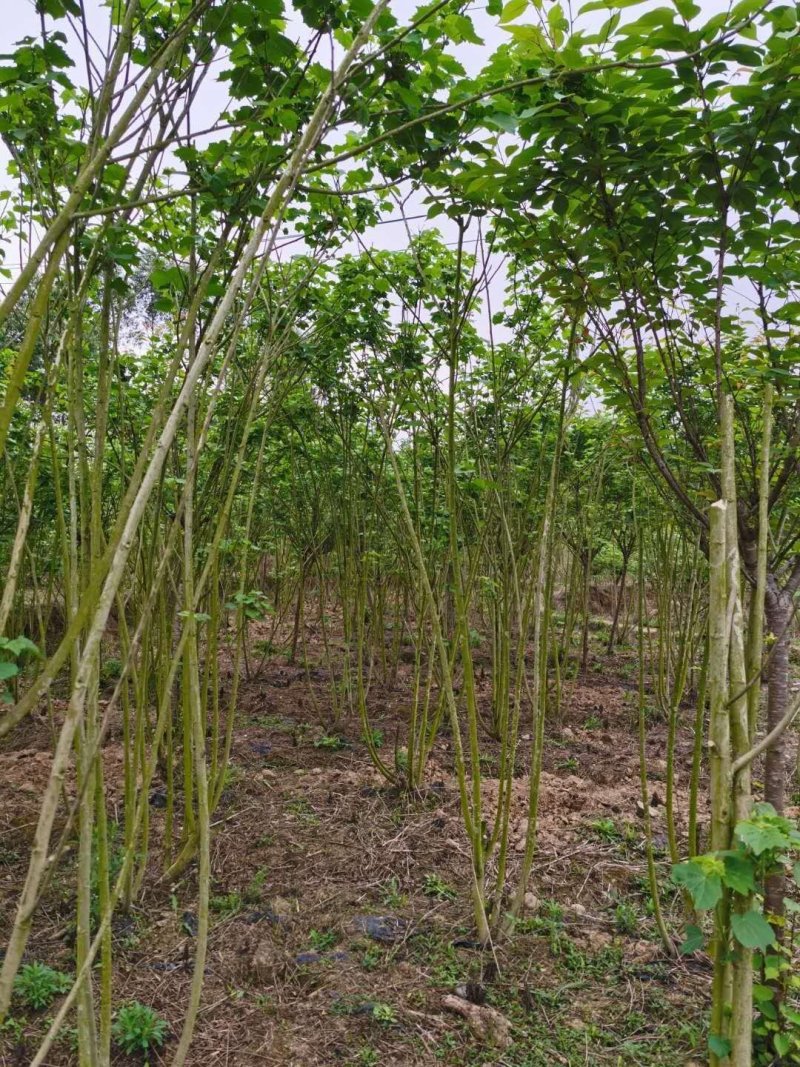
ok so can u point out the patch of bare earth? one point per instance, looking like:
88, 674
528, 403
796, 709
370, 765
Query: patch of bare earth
331, 942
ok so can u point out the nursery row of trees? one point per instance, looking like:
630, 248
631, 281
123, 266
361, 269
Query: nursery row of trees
224, 402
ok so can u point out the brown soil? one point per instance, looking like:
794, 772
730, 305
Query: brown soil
308, 840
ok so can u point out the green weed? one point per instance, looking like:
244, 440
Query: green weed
37, 985
138, 1029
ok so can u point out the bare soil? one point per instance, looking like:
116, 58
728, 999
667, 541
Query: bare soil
309, 842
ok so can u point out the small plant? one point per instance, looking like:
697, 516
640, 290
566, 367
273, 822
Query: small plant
568, 764
605, 829
227, 904
593, 722
298, 732
552, 911
371, 957
110, 670
322, 940
37, 985
401, 761
13, 1029
301, 808
253, 604
137, 1028
384, 1013
391, 895
252, 895
375, 736
439, 958
231, 775
625, 918
330, 741
367, 1056
434, 886
12, 651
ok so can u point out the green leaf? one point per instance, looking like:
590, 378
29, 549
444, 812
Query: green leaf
8, 670
720, 1046
702, 881
782, 1044
739, 873
764, 831
57, 9
762, 993
17, 645
752, 930
513, 9
693, 942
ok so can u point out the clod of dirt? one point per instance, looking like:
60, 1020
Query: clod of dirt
367, 1008
282, 908
640, 810
474, 992
531, 902
644, 951
385, 928
468, 942
268, 962
487, 1024
597, 940
263, 915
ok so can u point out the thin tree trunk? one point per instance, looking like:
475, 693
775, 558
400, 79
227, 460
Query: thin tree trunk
618, 605
778, 609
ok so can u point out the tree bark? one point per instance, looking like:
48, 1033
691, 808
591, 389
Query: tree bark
778, 607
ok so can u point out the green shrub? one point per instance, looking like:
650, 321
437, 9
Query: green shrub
227, 905
137, 1028
37, 985
110, 670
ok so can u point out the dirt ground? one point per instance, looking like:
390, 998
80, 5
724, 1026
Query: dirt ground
341, 917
